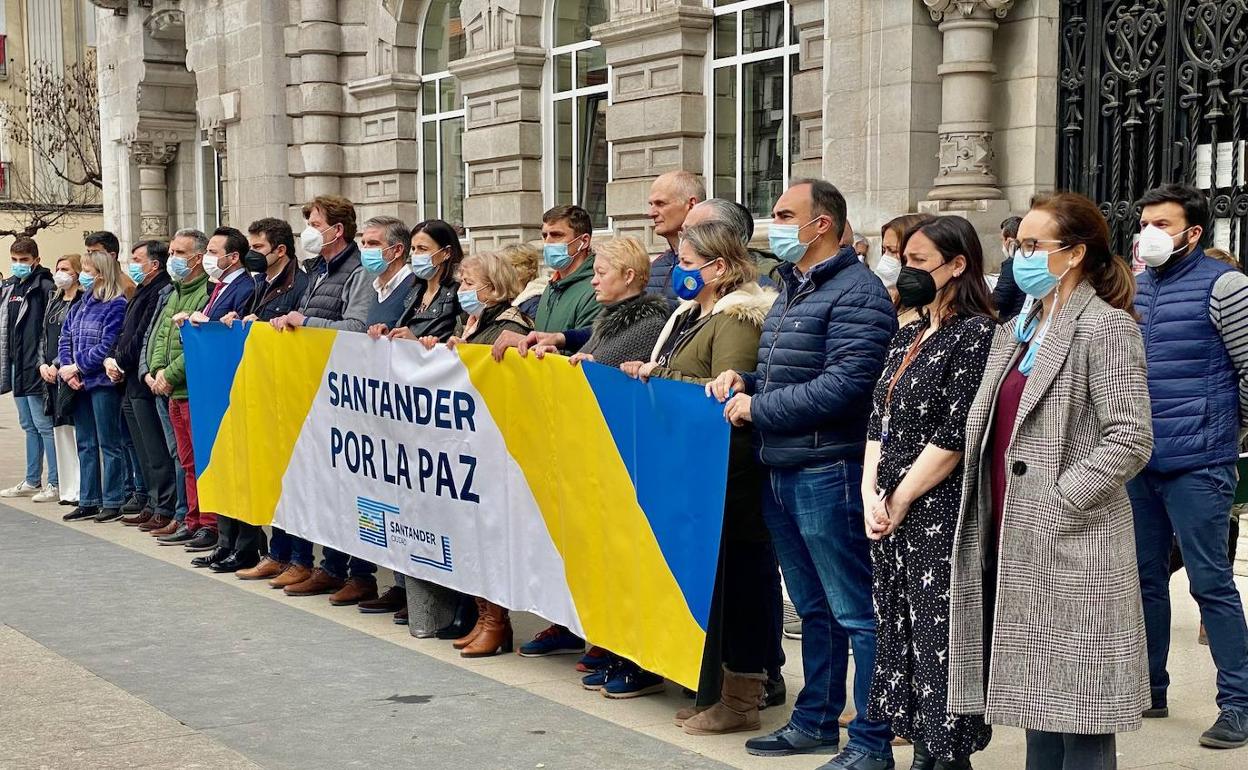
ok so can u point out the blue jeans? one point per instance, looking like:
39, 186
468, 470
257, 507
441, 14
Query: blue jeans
340, 565
39, 444
815, 518
135, 483
171, 442
287, 548
1193, 506
97, 427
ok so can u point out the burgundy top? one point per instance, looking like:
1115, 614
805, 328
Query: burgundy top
1008, 399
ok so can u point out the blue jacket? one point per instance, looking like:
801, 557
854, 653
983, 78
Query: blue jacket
822, 349
660, 283
88, 336
236, 297
1191, 380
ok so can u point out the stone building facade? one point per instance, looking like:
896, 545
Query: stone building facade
485, 112
55, 34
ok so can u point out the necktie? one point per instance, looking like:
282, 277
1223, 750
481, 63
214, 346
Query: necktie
213, 298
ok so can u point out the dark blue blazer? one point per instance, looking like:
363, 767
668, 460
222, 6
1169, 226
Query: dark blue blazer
235, 297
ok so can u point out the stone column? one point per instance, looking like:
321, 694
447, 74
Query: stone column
657, 118
320, 162
806, 100
501, 79
965, 182
965, 133
152, 151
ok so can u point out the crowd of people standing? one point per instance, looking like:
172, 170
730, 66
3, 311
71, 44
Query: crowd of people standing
975, 490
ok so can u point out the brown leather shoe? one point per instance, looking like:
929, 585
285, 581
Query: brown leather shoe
291, 575
355, 590
267, 568
142, 517
168, 529
495, 636
321, 582
156, 522
393, 600
467, 638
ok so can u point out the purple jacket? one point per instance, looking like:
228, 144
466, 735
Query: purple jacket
90, 332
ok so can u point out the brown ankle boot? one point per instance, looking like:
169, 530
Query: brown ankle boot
737, 710
467, 638
295, 573
495, 636
265, 570
687, 713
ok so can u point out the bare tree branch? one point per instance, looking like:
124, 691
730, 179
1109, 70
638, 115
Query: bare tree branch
42, 204
56, 115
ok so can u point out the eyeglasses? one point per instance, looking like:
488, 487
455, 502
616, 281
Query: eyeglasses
1028, 246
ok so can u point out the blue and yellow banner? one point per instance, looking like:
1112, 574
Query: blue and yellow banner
575, 493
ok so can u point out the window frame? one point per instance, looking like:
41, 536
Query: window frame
437, 117
203, 145
550, 102
786, 53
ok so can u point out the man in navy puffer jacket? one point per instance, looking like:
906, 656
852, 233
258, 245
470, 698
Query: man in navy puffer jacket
822, 349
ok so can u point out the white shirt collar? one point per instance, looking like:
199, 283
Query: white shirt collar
384, 292
229, 279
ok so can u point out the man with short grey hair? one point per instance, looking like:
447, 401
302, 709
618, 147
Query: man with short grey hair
671, 198
737, 217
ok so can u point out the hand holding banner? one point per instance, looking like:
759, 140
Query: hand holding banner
572, 492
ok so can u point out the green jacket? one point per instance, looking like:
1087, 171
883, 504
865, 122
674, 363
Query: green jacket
164, 349
569, 302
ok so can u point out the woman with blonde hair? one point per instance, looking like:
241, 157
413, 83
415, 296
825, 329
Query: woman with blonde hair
488, 283
64, 297
630, 321
89, 334
716, 328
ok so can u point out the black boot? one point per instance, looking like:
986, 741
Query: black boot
464, 620
922, 759
954, 764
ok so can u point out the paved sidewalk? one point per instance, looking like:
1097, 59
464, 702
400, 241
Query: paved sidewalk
115, 653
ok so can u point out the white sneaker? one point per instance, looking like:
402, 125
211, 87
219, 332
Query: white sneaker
21, 490
48, 494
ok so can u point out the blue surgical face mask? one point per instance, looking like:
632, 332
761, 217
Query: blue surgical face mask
557, 255
1033, 276
86, 281
784, 242
471, 303
373, 259
178, 268
687, 284
21, 270
422, 264
136, 272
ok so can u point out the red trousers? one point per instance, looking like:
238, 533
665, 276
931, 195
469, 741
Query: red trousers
180, 416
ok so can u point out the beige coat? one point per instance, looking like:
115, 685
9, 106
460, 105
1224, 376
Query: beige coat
1068, 650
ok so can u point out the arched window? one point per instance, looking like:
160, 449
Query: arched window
753, 136
442, 114
579, 108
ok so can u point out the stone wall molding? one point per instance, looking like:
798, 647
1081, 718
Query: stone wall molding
939, 9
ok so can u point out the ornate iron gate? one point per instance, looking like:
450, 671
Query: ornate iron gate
1155, 91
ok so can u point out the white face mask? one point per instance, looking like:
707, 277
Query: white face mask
888, 268
212, 264
63, 280
1155, 246
313, 240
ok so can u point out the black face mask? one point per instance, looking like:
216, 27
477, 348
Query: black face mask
255, 262
916, 288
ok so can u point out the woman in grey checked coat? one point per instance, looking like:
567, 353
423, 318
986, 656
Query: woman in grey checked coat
1044, 577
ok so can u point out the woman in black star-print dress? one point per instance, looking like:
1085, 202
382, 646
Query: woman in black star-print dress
912, 487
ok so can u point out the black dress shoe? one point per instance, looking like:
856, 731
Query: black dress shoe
108, 514
68, 502
236, 561
177, 538
464, 620
204, 540
133, 505
207, 560
82, 512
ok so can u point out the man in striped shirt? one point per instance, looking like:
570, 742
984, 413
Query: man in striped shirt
1194, 317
